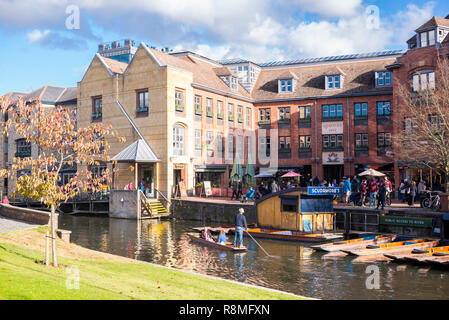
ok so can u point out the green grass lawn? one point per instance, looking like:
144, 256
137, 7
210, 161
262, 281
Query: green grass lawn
22, 278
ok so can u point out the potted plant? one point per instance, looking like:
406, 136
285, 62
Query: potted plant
198, 111
179, 107
198, 188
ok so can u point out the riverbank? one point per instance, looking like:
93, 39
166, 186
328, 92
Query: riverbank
104, 276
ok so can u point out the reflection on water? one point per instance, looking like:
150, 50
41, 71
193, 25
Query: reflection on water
294, 268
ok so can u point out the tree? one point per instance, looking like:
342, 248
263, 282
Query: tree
423, 113
60, 142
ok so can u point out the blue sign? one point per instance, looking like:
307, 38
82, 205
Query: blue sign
324, 191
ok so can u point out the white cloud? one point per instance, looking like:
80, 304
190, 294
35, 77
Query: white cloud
37, 36
330, 8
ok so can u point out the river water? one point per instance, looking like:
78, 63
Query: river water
293, 267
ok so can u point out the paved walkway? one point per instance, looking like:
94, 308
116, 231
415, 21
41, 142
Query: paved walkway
8, 225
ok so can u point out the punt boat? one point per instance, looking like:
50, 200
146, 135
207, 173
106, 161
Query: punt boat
217, 229
229, 246
393, 247
354, 243
438, 261
418, 255
291, 235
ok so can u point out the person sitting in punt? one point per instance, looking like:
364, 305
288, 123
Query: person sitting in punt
205, 234
222, 237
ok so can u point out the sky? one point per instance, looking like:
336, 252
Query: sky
53, 41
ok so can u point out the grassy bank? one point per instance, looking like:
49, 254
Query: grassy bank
102, 276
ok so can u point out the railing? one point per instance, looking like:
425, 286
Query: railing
167, 202
144, 203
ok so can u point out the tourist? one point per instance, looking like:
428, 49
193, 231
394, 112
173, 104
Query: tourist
274, 187
373, 188
222, 237
206, 234
347, 189
334, 183
316, 181
239, 189
142, 187
413, 191
5, 200
382, 195
389, 188
234, 190
289, 185
240, 221
249, 195
262, 190
401, 191
364, 191
421, 190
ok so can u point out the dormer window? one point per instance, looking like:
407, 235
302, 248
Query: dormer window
233, 83
285, 85
383, 78
333, 82
427, 38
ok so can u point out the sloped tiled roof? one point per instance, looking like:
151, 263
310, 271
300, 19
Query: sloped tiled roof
52, 94
114, 65
223, 71
359, 78
138, 151
434, 22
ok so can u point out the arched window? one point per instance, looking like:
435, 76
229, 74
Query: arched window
178, 140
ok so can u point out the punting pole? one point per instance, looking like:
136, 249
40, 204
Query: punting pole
259, 244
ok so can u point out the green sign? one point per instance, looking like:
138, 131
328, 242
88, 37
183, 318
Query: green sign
406, 221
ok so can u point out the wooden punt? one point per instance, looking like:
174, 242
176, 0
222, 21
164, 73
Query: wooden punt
438, 261
418, 255
354, 243
291, 235
217, 229
229, 246
393, 247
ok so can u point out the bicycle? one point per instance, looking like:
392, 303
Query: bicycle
433, 202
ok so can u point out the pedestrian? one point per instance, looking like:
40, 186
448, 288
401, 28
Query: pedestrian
316, 181
402, 191
364, 191
239, 189
389, 187
334, 183
413, 191
240, 221
234, 185
5, 200
421, 190
274, 187
382, 195
347, 189
289, 185
373, 188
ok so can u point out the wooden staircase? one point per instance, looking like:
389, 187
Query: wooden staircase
152, 208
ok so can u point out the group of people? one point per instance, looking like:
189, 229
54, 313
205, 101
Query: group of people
240, 224
410, 192
262, 190
378, 190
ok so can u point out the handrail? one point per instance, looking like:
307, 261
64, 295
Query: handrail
144, 200
162, 195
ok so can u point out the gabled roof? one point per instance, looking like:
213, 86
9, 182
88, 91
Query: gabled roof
287, 74
223, 71
52, 94
434, 22
138, 151
113, 66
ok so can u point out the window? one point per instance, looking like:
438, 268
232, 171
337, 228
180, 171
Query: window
231, 146
264, 144
97, 109
383, 78
264, 116
178, 140
179, 100
333, 82
240, 113
361, 110
240, 146
198, 108
333, 141
304, 112
289, 203
305, 142
233, 83
198, 139
220, 145
409, 125
248, 118
383, 108
384, 139
209, 110
248, 146
332, 112
220, 109
423, 80
284, 114
230, 112
284, 143
427, 38
286, 85
361, 140
23, 148
142, 102
209, 143
435, 121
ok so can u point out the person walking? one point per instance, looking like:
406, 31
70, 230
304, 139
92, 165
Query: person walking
274, 187
240, 222
316, 181
389, 187
234, 186
382, 195
413, 192
239, 189
364, 191
373, 188
421, 190
347, 189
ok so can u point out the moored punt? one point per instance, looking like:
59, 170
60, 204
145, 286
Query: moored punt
393, 247
217, 229
354, 243
438, 261
229, 246
425, 255
292, 235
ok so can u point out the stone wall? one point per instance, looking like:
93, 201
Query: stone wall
123, 204
25, 214
208, 212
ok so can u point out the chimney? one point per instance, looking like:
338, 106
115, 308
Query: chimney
100, 47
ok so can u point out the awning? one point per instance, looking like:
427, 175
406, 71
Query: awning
137, 152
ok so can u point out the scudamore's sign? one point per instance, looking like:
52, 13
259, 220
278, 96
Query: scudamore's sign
324, 191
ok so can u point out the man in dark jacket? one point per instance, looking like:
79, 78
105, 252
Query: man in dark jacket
240, 221
382, 194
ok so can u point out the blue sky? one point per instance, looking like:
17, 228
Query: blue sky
39, 49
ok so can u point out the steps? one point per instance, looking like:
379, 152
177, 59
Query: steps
152, 208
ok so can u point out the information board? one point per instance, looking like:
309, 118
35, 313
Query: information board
207, 188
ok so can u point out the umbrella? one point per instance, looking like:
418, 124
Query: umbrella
264, 175
372, 172
237, 171
249, 171
291, 174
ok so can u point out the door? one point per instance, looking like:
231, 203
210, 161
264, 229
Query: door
147, 177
